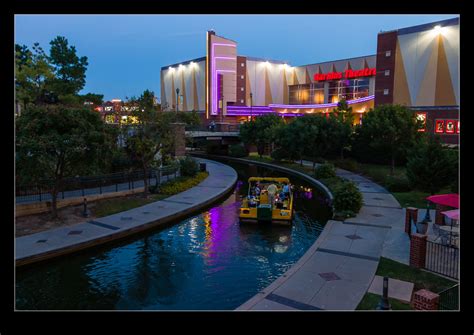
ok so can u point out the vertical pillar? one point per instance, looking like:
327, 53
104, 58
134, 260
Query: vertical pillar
411, 214
439, 218
425, 300
179, 139
418, 250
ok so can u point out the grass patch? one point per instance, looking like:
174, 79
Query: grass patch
370, 302
415, 198
112, 206
421, 279
396, 270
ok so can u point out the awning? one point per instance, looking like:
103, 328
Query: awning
453, 214
451, 200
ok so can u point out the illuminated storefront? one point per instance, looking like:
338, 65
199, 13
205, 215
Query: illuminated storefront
415, 66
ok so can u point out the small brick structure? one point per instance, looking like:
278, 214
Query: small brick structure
425, 300
411, 215
418, 250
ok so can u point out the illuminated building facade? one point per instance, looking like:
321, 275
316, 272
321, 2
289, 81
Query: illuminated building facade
416, 66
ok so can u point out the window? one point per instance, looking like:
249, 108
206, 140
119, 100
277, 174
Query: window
385, 91
450, 125
348, 89
387, 73
439, 126
422, 118
306, 94
388, 53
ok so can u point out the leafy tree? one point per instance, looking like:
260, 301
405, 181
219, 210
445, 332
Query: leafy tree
293, 138
55, 142
151, 132
344, 128
69, 69
430, 167
96, 99
390, 127
32, 75
261, 132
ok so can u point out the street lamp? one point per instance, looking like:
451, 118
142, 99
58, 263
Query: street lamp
251, 114
384, 303
177, 99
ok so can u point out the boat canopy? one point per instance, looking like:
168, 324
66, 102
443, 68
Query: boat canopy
451, 200
269, 179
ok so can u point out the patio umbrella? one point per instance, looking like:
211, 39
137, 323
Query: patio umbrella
452, 214
450, 200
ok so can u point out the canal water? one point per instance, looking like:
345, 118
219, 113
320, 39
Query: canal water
206, 262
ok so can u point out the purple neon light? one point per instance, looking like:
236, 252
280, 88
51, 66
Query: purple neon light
349, 102
214, 75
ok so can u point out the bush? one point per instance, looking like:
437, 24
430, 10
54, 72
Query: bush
237, 150
326, 170
347, 197
153, 189
279, 154
188, 167
181, 184
397, 184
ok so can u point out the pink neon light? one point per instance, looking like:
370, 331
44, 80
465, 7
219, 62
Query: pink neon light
349, 102
214, 74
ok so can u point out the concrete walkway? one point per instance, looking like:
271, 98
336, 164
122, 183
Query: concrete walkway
59, 241
336, 272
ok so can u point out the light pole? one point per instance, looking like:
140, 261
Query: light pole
177, 99
251, 114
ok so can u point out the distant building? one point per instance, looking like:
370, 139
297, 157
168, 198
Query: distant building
416, 66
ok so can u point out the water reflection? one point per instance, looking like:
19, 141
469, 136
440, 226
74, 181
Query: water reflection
208, 261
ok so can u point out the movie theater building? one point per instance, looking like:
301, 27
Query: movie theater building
416, 66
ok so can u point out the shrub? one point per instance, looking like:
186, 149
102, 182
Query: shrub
188, 167
153, 189
347, 197
279, 154
326, 170
237, 150
397, 184
181, 184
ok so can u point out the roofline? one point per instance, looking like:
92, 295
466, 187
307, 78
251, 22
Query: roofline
337, 60
423, 27
258, 59
185, 62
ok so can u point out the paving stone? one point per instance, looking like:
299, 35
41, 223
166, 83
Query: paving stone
329, 276
397, 289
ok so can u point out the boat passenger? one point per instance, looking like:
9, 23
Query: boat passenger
272, 190
286, 189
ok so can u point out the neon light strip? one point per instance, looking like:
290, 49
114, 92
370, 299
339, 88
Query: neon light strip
214, 75
349, 102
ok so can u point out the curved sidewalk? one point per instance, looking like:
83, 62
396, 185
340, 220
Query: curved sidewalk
60, 241
337, 270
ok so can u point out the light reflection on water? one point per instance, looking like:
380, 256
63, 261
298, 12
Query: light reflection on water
208, 261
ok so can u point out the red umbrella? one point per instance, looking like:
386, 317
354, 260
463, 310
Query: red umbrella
451, 200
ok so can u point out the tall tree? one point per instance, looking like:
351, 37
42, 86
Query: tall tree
148, 132
54, 142
33, 72
260, 132
344, 128
69, 69
392, 127
431, 167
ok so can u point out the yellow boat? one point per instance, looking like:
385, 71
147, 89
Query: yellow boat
268, 205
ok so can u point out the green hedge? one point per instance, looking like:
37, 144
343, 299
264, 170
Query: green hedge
237, 150
188, 167
179, 184
324, 171
347, 197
